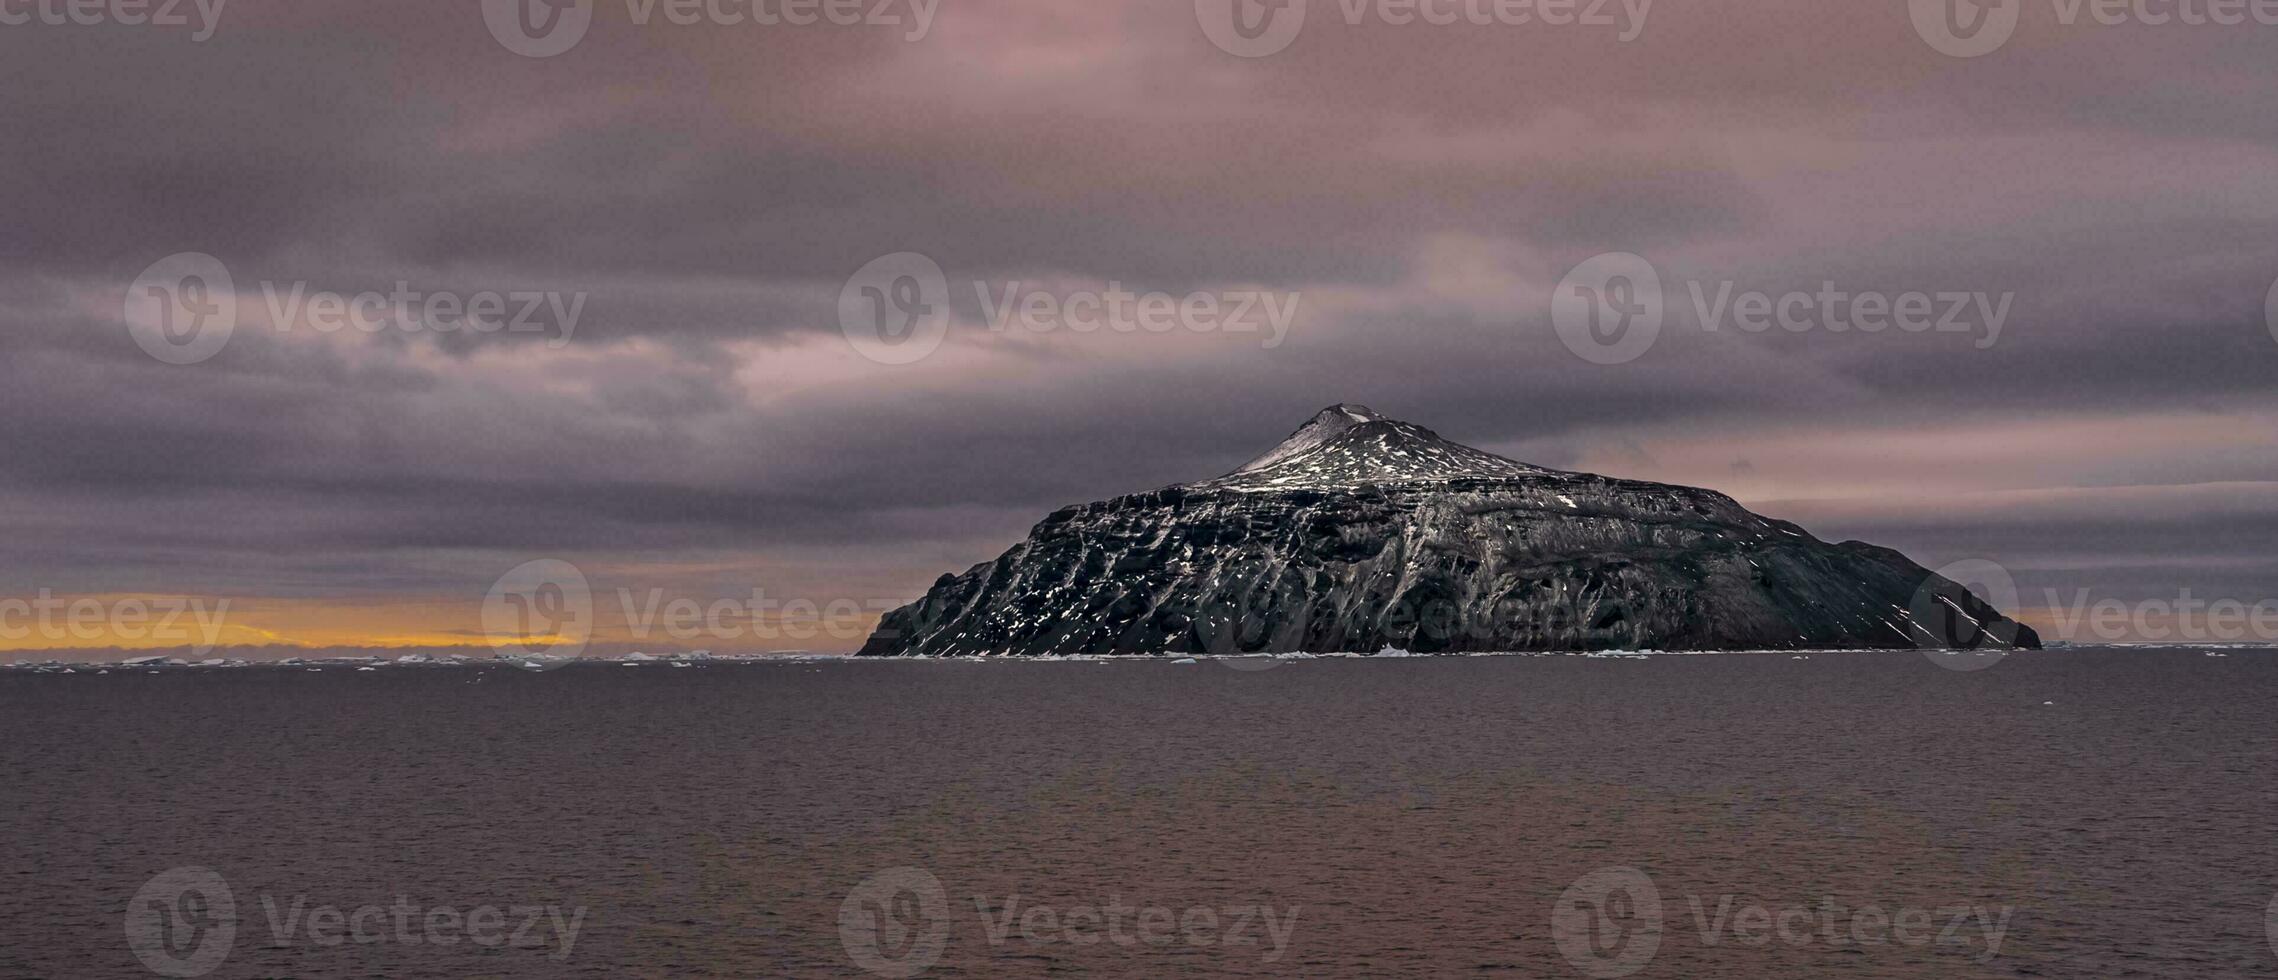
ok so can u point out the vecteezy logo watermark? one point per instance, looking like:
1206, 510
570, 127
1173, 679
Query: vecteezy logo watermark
545, 28
896, 922
131, 13
1258, 28
895, 309
1949, 615
1608, 922
183, 310
182, 923
1609, 310
1965, 28
2270, 310
2270, 924
539, 611
538, 28
1973, 28
185, 620
1250, 28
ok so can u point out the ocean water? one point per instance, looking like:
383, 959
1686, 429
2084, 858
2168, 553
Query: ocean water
2080, 813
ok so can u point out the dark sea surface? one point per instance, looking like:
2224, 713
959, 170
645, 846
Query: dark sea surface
1421, 817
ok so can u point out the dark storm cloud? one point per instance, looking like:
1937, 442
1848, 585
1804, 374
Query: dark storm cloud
706, 191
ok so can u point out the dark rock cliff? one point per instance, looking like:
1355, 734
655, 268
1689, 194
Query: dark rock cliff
1360, 533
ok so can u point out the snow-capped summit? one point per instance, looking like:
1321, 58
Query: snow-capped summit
1361, 533
1348, 445
1325, 425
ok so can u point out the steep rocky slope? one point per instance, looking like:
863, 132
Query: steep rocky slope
1360, 533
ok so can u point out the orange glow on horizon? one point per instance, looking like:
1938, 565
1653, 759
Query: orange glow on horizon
141, 621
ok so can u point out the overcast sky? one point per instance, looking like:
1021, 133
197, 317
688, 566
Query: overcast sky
700, 195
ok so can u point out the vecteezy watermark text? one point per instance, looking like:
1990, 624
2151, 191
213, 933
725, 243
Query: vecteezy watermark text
545, 28
410, 310
1118, 310
1837, 310
1831, 923
186, 620
1611, 309
757, 616
511, 926
2185, 618
130, 13
1975, 28
916, 16
1117, 924
1258, 28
